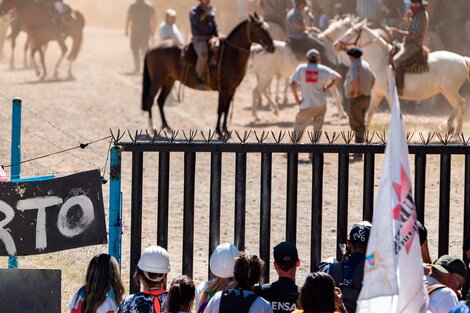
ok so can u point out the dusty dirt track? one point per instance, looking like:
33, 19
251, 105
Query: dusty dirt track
104, 96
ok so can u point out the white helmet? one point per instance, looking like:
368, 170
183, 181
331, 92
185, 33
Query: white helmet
155, 260
223, 260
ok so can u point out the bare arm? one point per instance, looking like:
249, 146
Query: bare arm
294, 92
333, 83
128, 23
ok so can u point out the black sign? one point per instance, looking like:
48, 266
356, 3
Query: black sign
30, 291
52, 215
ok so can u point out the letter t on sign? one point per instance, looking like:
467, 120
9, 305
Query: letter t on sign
39, 204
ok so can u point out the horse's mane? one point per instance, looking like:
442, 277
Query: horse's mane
237, 28
382, 41
331, 28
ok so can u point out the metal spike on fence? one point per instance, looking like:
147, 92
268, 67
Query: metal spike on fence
427, 140
112, 136
446, 138
348, 136
464, 141
383, 137
314, 136
279, 137
209, 137
226, 136
246, 136
409, 136
368, 137
172, 137
295, 136
261, 138
190, 137
130, 136
332, 139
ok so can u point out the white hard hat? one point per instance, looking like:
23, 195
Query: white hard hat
223, 260
155, 260
170, 12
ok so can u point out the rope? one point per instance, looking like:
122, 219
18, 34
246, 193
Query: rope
81, 146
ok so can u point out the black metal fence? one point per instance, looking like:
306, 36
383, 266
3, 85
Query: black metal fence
267, 144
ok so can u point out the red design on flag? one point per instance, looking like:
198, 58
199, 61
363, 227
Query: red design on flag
311, 77
3, 175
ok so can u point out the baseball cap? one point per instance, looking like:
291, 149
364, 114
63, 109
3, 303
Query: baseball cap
223, 260
360, 233
450, 264
170, 12
285, 254
313, 53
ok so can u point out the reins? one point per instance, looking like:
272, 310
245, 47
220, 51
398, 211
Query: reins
344, 45
233, 45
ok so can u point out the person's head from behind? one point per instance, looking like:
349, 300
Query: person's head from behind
153, 267
318, 293
313, 56
359, 237
102, 276
450, 271
247, 271
301, 4
416, 4
286, 259
181, 294
170, 16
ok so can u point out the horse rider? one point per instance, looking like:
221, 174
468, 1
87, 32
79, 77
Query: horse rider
61, 11
168, 29
142, 23
414, 36
298, 34
203, 27
275, 10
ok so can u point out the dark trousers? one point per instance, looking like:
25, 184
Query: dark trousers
302, 45
357, 115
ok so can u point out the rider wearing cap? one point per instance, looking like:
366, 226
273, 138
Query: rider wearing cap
298, 33
314, 80
414, 36
203, 27
151, 272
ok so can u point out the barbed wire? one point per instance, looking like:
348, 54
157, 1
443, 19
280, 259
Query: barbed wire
57, 128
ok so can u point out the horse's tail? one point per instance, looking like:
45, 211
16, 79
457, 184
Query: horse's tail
77, 35
146, 85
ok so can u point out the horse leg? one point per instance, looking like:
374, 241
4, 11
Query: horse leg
63, 49
338, 102
286, 91
226, 101
254, 104
273, 104
165, 91
374, 105
25, 53
458, 103
43, 64
12, 58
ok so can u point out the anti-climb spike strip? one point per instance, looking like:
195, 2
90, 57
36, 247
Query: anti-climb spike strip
446, 138
209, 137
226, 136
464, 141
348, 136
426, 140
409, 136
263, 136
314, 136
278, 139
293, 135
333, 138
368, 137
383, 137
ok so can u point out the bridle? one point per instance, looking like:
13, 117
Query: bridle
248, 35
358, 31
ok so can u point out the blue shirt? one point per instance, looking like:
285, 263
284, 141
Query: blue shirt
460, 308
208, 27
294, 16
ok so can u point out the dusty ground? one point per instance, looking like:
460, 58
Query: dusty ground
104, 96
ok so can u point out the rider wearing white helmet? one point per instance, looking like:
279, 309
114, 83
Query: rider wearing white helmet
151, 272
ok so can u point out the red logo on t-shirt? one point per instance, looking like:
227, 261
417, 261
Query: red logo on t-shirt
311, 77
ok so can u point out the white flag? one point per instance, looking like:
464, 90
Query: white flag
393, 275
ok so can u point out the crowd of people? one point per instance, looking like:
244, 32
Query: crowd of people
236, 284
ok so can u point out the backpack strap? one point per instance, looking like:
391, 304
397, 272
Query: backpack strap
434, 287
156, 299
234, 302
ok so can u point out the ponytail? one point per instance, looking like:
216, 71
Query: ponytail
181, 294
247, 271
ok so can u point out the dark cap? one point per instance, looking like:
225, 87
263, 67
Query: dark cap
416, 1
466, 244
285, 254
423, 233
450, 264
354, 52
360, 233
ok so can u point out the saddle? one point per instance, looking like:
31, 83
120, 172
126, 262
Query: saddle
298, 52
415, 65
190, 57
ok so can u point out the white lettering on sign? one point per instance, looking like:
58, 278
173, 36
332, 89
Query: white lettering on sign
40, 204
65, 227
5, 236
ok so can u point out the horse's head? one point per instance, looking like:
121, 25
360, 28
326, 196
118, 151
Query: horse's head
7, 5
351, 37
259, 33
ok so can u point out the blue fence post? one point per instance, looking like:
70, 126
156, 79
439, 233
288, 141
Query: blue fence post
115, 205
15, 155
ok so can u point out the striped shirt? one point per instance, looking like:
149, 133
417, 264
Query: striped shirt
370, 9
418, 27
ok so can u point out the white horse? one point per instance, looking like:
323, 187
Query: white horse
447, 73
282, 63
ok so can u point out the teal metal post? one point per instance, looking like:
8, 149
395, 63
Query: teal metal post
115, 205
15, 155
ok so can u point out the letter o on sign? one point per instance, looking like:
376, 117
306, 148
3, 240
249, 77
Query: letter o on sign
64, 225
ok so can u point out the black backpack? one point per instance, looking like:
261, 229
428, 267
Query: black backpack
351, 289
234, 302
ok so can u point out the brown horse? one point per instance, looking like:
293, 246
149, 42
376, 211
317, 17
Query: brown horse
165, 64
40, 21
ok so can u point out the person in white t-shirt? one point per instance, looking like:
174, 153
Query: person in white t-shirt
446, 280
103, 281
313, 80
241, 299
168, 29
